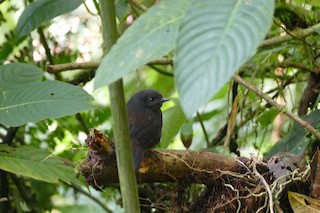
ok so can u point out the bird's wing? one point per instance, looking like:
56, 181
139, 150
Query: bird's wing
138, 154
147, 132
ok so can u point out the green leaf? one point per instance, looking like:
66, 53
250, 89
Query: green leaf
7, 47
317, 31
121, 9
42, 11
186, 134
77, 208
268, 117
296, 141
35, 163
40, 100
215, 39
18, 74
43, 193
173, 119
151, 36
315, 3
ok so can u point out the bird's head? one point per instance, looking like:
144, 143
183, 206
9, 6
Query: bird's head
149, 98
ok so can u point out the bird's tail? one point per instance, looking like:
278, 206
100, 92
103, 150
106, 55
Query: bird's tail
138, 154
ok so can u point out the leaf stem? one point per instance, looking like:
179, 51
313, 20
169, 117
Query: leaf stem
203, 129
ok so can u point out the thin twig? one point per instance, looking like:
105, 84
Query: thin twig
294, 36
221, 133
237, 197
84, 192
45, 45
94, 65
203, 129
300, 33
27, 197
89, 11
72, 66
11, 133
138, 5
82, 123
161, 71
44, 42
283, 85
266, 185
262, 95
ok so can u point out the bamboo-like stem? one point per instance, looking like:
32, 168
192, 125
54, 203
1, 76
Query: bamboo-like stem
127, 178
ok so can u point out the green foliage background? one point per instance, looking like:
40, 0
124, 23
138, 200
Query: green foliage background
42, 138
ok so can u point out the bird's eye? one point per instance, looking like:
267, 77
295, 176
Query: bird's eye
151, 99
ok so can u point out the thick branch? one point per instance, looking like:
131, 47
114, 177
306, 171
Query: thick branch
310, 94
100, 169
229, 184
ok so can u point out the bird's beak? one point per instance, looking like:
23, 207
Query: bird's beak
165, 99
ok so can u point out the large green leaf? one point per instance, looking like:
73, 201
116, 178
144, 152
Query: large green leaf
18, 74
151, 36
35, 163
297, 140
173, 119
40, 100
215, 39
41, 11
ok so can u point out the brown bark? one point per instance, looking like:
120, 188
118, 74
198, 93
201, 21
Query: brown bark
310, 94
226, 184
99, 169
315, 175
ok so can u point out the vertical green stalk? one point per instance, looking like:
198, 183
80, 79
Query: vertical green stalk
126, 172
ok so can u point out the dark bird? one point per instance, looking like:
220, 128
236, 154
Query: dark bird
145, 122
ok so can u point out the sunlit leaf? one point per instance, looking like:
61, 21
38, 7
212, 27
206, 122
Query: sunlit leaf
151, 36
42, 11
35, 163
173, 119
18, 74
296, 141
215, 39
268, 116
40, 100
310, 2
301, 203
